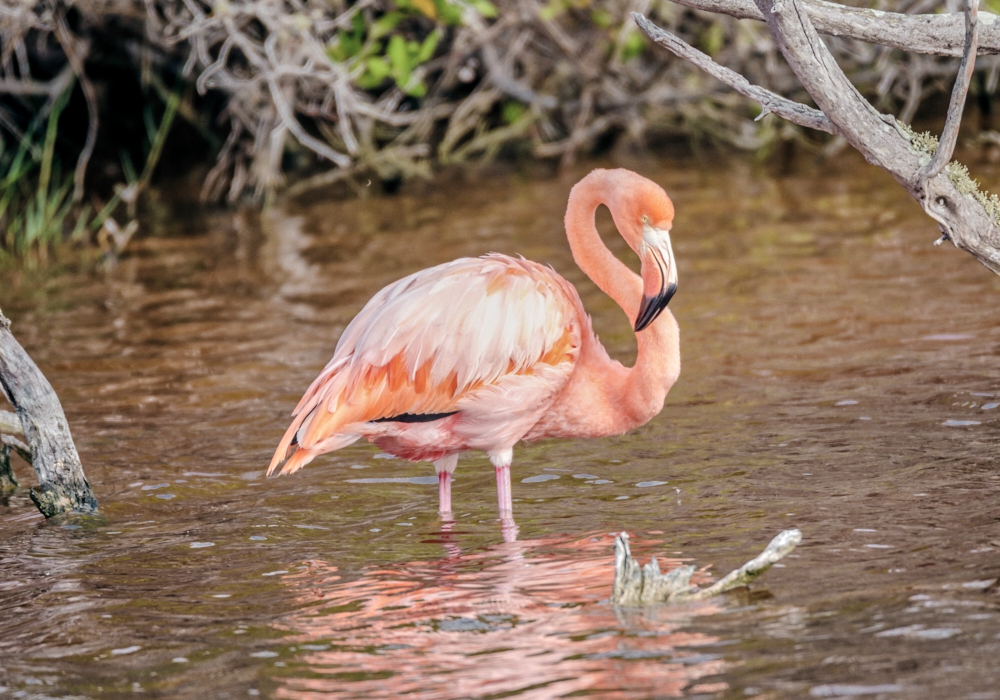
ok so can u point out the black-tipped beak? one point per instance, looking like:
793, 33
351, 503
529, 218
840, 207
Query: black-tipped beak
653, 306
659, 275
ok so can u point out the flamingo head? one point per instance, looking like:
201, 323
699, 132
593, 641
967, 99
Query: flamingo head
644, 215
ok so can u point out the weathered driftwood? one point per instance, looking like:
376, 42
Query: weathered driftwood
966, 216
10, 423
641, 586
8, 481
62, 485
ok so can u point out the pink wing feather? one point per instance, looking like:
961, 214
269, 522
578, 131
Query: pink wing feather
424, 343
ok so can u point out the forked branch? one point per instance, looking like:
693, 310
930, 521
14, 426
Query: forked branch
949, 137
772, 103
636, 586
965, 215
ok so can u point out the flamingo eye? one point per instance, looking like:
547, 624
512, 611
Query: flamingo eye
645, 219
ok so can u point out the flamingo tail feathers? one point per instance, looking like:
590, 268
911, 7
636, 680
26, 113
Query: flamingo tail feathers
294, 456
303, 456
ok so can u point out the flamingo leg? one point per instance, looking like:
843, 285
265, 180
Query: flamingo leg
501, 462
444, 468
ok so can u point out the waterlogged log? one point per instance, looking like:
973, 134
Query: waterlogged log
62, 487
637, 586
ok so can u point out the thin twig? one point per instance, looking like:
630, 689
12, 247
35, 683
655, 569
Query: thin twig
10, 423
18, 446
52, 87
949, 136
772, 103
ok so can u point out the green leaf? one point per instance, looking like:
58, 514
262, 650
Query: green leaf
347, 46
378, 68
552, 10
485, 8
414, 87
635, 44
449, 14
399, 59
427, 49
711, 40
385, 24
601, 17
512, 111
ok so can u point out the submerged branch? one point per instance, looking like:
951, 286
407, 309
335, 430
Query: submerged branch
635, 586
62, 485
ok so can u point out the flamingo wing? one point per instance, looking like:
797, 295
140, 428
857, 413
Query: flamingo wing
424, 343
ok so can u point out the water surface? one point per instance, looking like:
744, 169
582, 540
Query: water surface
840, 375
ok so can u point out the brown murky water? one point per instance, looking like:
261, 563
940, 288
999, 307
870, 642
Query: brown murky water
840, 375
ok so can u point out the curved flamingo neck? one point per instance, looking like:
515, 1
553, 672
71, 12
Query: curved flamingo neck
637, 394
609, 273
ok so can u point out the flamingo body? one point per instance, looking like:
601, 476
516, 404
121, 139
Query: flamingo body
480, 353
485, 343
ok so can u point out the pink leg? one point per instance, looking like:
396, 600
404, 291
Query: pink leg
503, 491
444, 492
501, 462
444, 467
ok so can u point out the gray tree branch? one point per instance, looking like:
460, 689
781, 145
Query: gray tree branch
772, 103
942, 35
966, 216
949, 135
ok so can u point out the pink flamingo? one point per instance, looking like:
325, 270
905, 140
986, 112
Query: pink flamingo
479, 353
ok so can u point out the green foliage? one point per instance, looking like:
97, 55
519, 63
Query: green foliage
634, 45
711, 41
33, 217
36, 214
602, 18
401, 58
387, 47
512, 111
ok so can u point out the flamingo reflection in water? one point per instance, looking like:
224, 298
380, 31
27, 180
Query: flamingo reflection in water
528, 619
480, 353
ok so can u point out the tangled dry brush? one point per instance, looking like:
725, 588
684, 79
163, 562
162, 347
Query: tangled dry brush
394, 87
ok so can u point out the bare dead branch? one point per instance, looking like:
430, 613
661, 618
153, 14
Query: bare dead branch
966, 216
772, 103
292, 124
942, 35
817, 70
62, 484
636, 586
949, 136
53, 88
